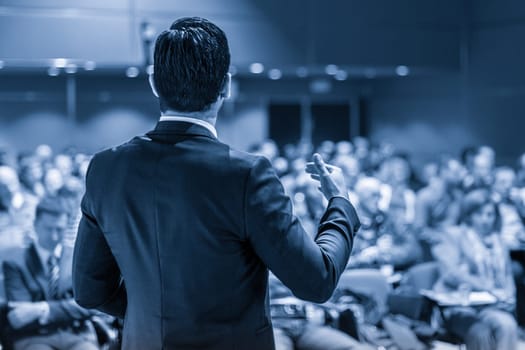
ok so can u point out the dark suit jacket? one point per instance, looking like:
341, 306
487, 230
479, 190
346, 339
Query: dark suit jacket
192, 226
25, 280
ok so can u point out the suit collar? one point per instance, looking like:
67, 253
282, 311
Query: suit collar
176, 118
168, 131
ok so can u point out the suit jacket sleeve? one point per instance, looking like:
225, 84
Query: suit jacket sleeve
96, 276
310, 268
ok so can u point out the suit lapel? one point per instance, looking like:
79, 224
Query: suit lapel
37, 270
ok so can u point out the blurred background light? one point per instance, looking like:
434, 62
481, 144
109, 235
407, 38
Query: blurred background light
59, 62
341, 75
256, 68
402, 71
53, 71
90, 65
275, 74
132, 72
331, 69
71, 68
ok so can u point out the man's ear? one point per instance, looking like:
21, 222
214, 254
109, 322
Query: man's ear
227, 87
151, 80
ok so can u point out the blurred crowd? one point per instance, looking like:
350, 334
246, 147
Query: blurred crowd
28, 177
461, 213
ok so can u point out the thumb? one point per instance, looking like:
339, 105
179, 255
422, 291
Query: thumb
319, 164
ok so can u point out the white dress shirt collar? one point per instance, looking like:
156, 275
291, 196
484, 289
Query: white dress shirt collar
45, 254
203, 123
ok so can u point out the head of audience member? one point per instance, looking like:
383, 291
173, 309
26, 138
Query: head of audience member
10, 188
361, 146
191, 61
396, 171
482, 166
290, 151
53, 181
350, 167
467, 155
44, 152
489, 153
451, 171
280, 164
480, 212
429, 172
504, 180
64, 163
326, 149
51, 219
343, 148
30, 171
268, 148
368, 190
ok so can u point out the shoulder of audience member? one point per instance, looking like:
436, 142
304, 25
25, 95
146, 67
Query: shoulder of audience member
432, 191
16, 256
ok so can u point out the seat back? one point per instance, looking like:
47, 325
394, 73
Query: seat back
421, 276
367, 281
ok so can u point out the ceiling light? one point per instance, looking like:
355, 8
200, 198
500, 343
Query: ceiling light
71, 68
132, 72
59, 62
90, 65
341, 75
331, 69
275, 74
402, 71
256, 68
53, 71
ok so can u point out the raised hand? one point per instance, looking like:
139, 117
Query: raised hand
332, 182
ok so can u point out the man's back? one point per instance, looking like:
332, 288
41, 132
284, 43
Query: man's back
178, 230
192, 226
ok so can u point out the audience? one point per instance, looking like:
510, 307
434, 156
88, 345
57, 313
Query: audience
42, 312
463, 213
473, 256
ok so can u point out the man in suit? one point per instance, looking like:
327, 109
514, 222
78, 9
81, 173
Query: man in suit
42, 313
179, 230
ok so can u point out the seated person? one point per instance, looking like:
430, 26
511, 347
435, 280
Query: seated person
384, 238
437, 205
472, 256
42, 312
299, 330
510, 205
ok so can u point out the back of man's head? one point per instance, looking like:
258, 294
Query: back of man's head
191, 61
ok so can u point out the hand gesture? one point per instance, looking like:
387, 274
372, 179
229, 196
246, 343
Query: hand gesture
330, 177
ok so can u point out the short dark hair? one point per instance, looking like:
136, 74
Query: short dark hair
473, 201
191, 61
52, 205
